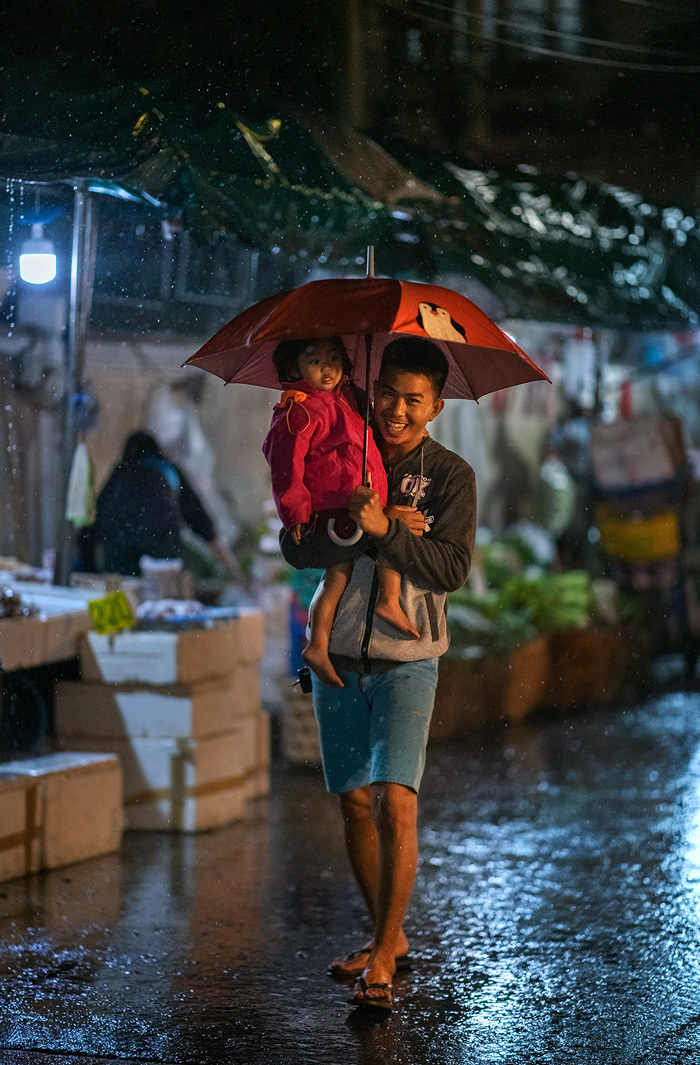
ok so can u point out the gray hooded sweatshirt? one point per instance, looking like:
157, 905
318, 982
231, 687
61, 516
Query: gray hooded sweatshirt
442, 486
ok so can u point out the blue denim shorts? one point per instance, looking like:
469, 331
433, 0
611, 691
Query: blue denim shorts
376, 727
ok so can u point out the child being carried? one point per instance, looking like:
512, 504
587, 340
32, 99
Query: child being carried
314, 449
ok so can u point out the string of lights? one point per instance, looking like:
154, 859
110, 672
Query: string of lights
451, 27
559, 34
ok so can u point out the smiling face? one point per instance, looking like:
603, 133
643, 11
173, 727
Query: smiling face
321, 364
404, 403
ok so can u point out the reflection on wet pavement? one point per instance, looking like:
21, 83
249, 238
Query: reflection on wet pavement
556, 918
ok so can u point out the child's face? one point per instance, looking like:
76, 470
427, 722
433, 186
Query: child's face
321, 365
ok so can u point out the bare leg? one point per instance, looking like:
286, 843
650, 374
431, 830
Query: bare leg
321, 618
366, 859
362, 843
388, 607
395, 813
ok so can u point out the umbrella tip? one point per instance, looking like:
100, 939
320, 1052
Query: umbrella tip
370, 260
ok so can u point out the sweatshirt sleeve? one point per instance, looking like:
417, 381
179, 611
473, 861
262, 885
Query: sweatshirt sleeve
439, 560
286, 453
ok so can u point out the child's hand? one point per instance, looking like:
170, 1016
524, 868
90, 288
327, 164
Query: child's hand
410, 516
296, 533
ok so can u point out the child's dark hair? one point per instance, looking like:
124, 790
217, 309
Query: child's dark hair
416, 355
286, 357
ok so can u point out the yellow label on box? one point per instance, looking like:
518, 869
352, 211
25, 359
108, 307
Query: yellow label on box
112, 613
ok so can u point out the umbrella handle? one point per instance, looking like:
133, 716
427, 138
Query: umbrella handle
339, 539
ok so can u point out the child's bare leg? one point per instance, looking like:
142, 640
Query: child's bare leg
335, 581
388, 607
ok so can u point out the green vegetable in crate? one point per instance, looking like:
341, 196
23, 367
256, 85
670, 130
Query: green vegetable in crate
552, 600
566, 601
482, 623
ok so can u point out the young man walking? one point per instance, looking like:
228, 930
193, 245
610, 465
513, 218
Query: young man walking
374, 730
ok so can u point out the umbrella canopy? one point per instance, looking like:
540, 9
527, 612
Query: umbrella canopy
481, 357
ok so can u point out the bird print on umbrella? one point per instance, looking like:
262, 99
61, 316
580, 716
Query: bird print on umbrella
439, 323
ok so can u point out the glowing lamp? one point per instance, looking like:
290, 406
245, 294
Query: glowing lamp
37, 261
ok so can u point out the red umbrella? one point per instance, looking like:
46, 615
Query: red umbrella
367, 313
481, 357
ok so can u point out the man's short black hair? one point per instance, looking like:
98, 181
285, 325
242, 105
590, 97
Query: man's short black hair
416, 355
286, 357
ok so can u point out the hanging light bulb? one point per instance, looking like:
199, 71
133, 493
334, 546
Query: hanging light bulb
37, 261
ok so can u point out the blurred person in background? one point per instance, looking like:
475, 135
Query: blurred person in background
142, 510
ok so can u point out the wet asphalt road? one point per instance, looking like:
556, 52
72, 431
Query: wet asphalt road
556, 918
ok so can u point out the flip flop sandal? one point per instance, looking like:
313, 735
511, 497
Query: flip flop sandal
403, 963
376, 1003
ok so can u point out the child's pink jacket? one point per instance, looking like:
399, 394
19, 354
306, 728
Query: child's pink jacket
314, 450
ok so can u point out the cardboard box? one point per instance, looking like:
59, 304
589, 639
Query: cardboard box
189, 657
80, 797
63, 634
20, 827
184, 785
22, 643
29, 642
171, 711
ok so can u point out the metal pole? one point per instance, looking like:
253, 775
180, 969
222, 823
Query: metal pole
63, 541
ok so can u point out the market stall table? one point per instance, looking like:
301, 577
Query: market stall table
53, 634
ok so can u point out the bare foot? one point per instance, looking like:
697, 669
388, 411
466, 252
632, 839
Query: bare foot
389, 610
317, 659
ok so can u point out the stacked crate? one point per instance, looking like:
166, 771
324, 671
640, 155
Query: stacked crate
182, 710
57, 809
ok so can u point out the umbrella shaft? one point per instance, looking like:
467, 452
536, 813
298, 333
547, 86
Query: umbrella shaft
365, 444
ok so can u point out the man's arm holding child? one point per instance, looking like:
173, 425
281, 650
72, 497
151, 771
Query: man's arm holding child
441, 559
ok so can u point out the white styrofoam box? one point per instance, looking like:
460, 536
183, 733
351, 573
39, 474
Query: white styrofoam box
81, 804
138, 657
184, 785
113, 711
20, 827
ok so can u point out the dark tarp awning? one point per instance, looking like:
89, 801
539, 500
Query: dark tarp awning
563, 250
224, 170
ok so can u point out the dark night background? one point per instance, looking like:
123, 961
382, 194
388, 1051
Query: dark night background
571, 85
